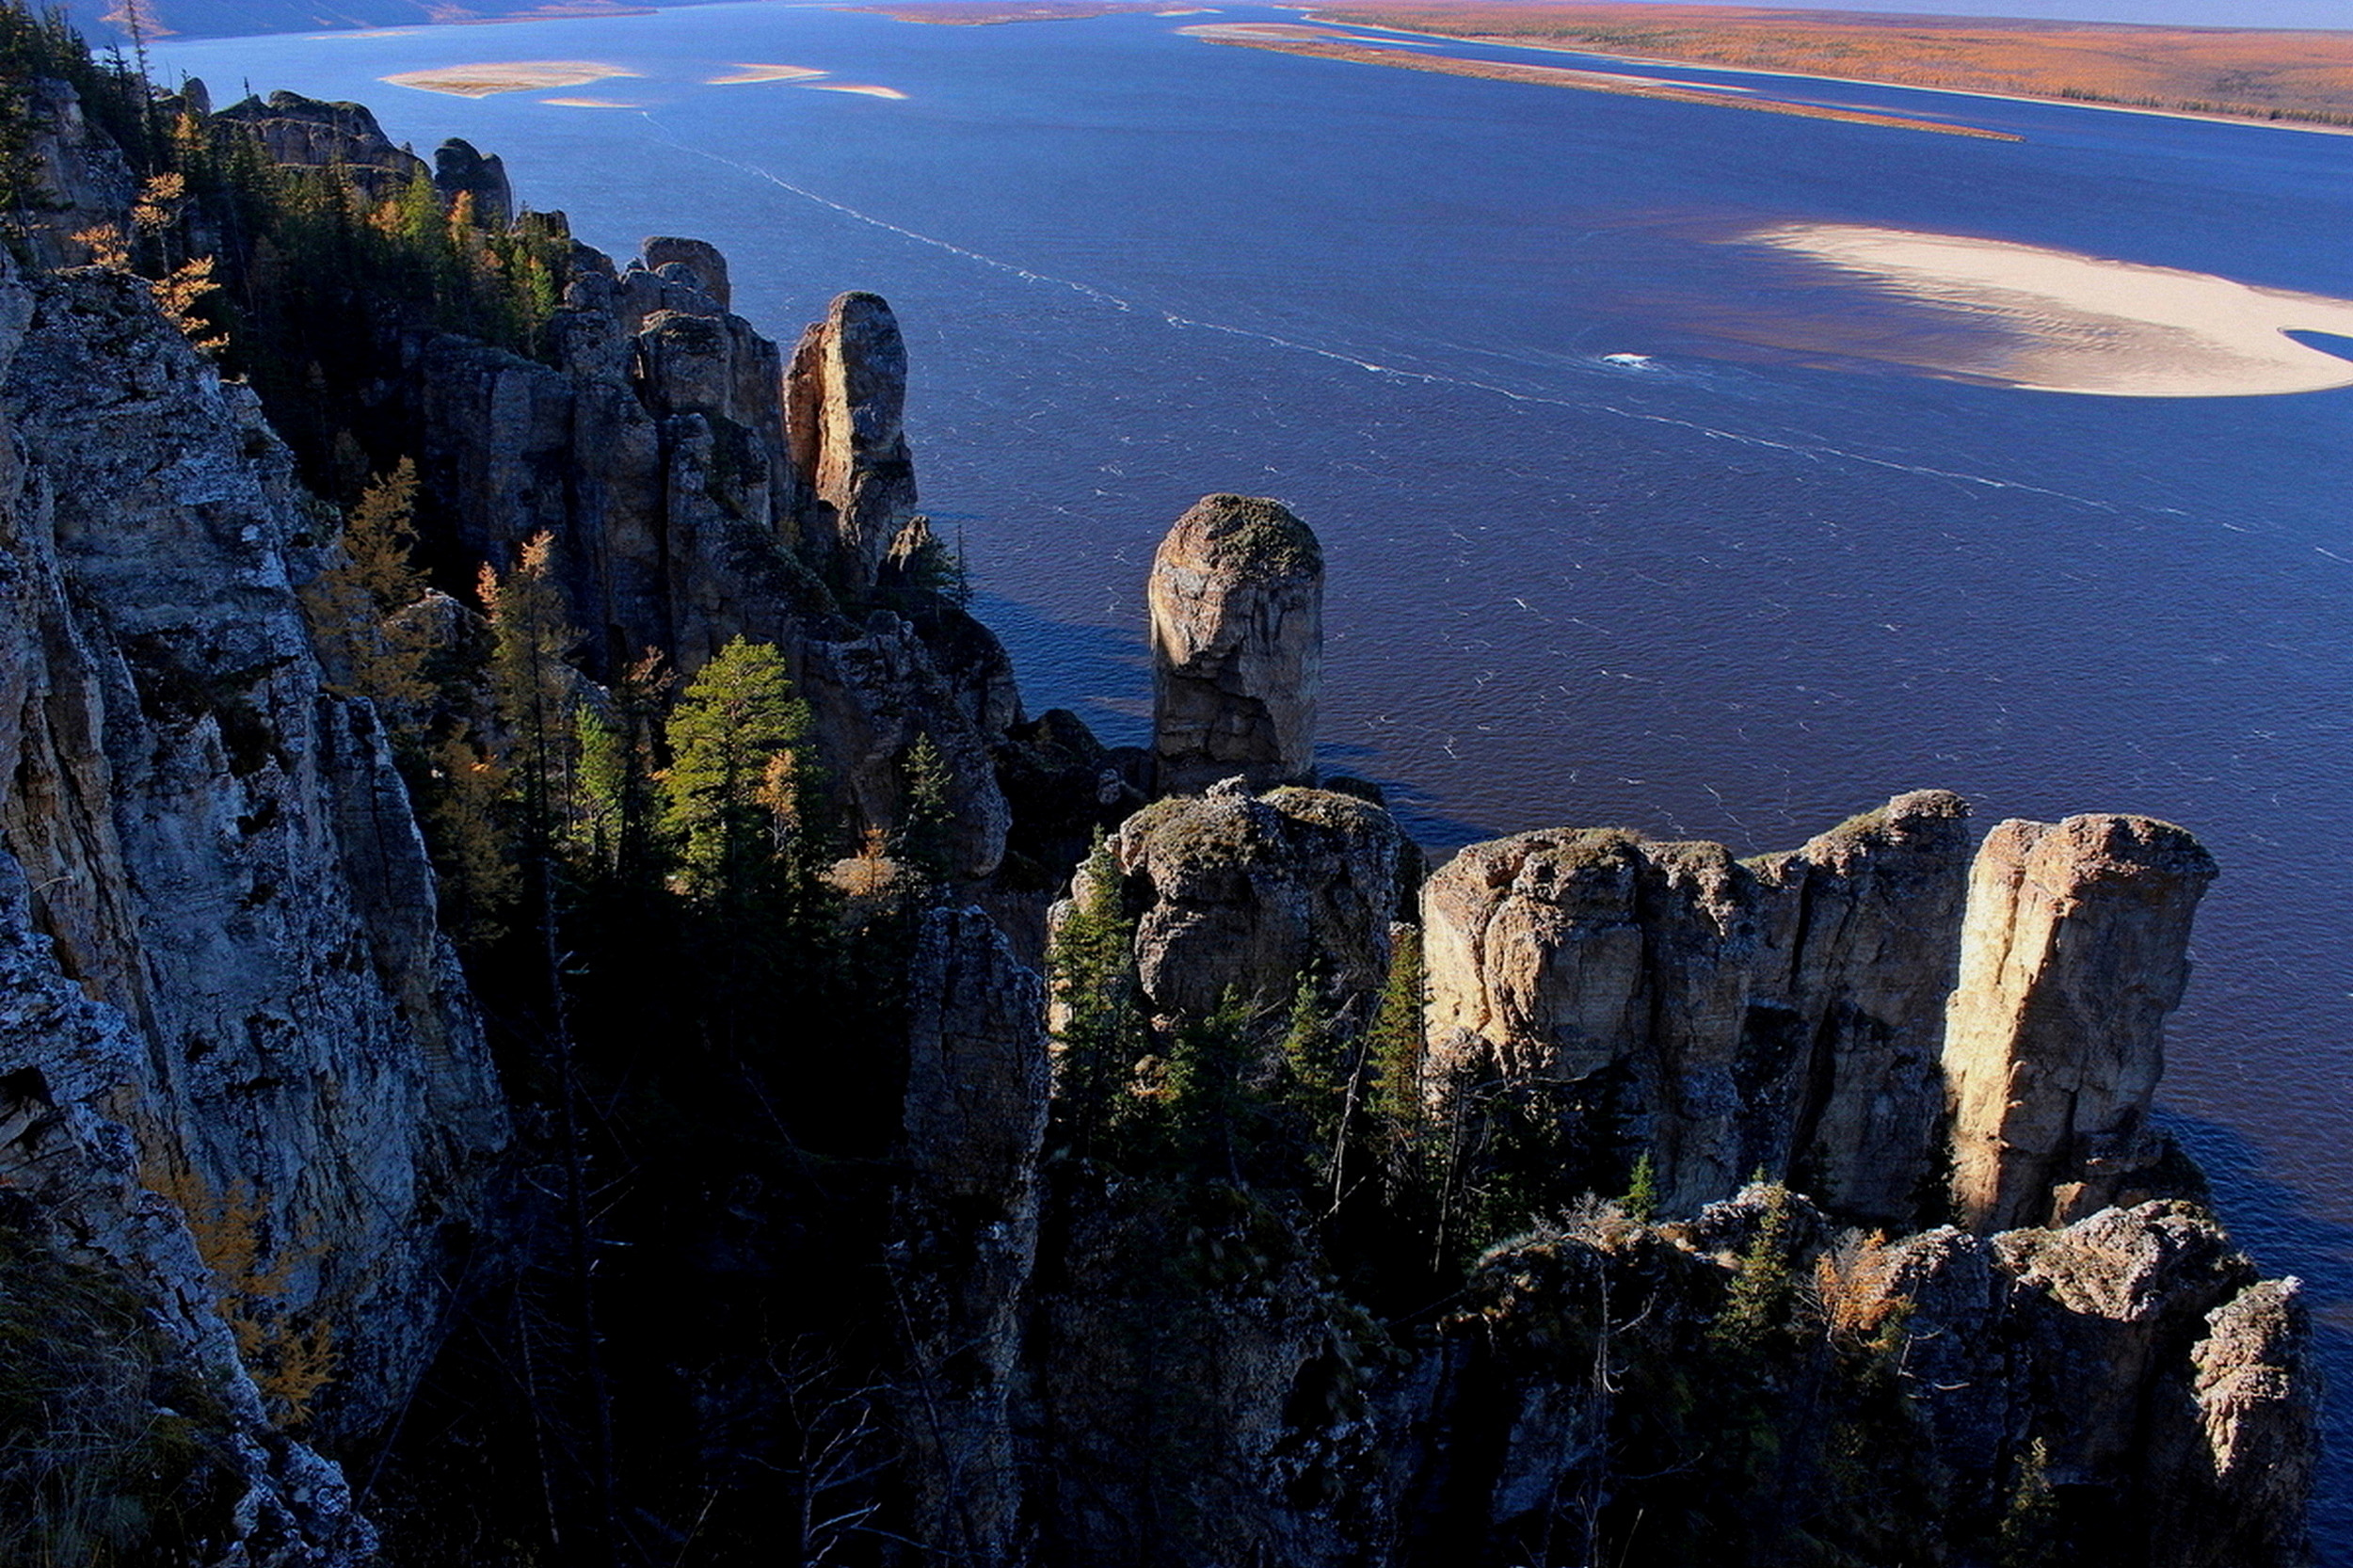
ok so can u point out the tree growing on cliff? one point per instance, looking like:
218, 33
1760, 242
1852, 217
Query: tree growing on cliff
734, 796
354, 605
535, 691
1099, 1032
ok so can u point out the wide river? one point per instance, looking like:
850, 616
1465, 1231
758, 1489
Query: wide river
1709, 472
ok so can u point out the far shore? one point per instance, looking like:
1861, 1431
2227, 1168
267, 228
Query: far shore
1342, 19
1311, 43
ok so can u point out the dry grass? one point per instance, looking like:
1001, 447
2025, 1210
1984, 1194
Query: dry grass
2301, 77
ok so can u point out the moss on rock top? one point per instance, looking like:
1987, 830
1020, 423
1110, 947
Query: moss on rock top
1255, 535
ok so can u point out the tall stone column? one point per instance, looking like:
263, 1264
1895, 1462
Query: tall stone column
1236, 601
845, 393
2074, 950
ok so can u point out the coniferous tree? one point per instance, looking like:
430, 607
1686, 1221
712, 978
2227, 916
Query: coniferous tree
733, 796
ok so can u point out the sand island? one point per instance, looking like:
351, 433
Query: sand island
481, 81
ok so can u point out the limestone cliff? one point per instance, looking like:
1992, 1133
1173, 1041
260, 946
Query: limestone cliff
216, 845
658, 452
1782, 1014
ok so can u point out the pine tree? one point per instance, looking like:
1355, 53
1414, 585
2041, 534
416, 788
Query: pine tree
733, 797
1099, 1030
354, 605
925, 838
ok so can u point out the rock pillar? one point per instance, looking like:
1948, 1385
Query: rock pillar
2074, 950
1236, 601
845, 395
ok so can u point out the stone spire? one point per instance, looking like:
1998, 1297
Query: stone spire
1236, 599
845, 394
2074, 950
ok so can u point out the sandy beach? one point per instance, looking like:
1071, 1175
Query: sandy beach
2059, 321
481, 81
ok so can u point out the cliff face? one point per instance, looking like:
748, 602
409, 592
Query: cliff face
1773, 1015
216, 845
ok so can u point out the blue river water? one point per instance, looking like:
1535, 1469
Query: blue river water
1630, 519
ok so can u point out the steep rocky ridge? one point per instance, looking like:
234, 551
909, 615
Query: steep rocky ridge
217, 846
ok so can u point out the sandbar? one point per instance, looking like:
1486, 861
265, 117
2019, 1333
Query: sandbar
2051, 320
866, 88
589, 103
743, 73
481, 81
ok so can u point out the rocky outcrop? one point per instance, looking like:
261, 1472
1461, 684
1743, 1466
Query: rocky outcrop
216, 846
459, 171
846, 398
1237, 605
1243, 894
2168, 1389
700, 260
2075, 949
309, 132
1778, 1014
85, 181
871, 698
657, 453
975, 1122
2130, 1367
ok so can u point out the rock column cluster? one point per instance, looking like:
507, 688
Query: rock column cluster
1745, 1015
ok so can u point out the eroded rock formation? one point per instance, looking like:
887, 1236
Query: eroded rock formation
1237, 604
846, 397
218, 846
310, 133
2075, 949
1245, 894
458, 170
1775, 1014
